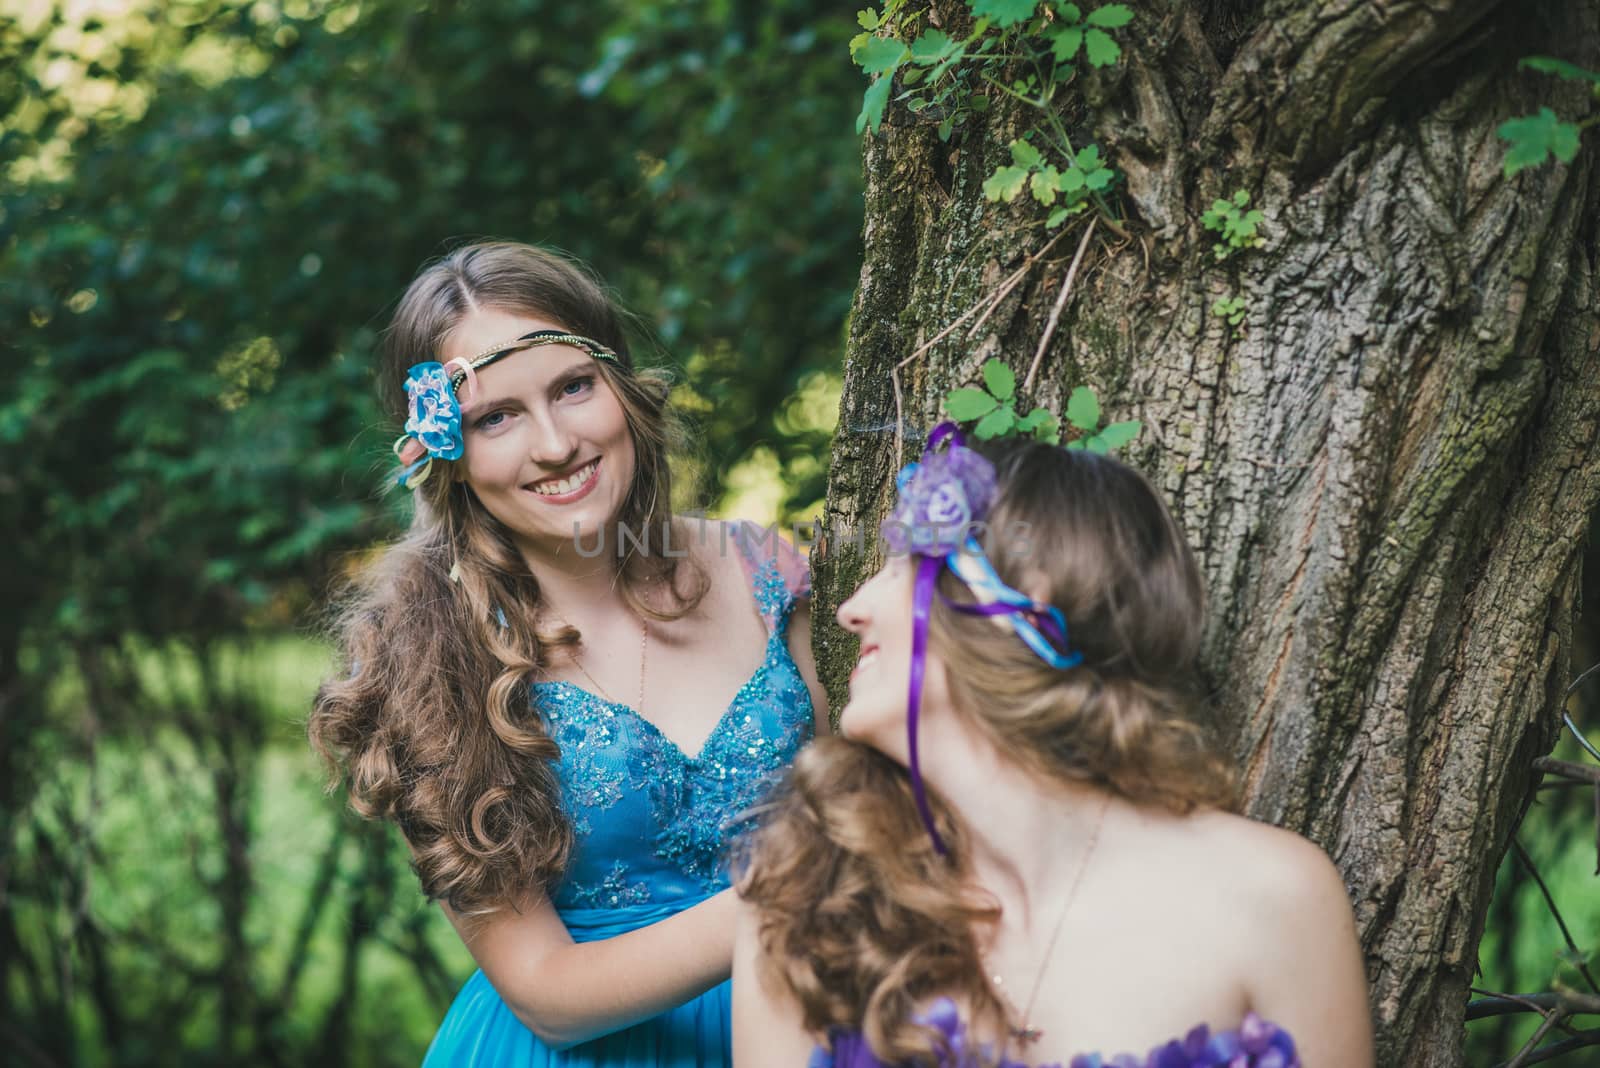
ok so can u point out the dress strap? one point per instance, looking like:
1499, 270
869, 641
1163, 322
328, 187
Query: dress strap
778, 573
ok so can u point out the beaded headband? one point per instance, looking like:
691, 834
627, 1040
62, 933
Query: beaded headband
433, 422
940, 499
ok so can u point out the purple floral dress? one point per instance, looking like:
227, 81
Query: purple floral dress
1256, 1044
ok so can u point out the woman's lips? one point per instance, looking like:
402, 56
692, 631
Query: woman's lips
868, 655
573, 495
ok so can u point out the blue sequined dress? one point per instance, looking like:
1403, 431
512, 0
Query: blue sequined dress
651, 823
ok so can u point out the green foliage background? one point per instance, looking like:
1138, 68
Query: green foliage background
207, 209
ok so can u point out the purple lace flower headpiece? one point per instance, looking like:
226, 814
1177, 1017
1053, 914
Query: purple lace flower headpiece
943, 499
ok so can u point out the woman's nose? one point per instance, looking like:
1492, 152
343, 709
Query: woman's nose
852, 615
551, 445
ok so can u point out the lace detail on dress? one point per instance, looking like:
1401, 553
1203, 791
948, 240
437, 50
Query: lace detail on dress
614, 892
592, 784
651, 820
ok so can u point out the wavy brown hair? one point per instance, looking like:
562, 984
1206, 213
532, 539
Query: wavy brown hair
860, 920
429, 722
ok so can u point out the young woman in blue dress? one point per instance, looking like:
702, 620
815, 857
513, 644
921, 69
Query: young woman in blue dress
561, 693
1021, 851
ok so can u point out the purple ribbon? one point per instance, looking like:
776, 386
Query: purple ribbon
928, 568
1040, 617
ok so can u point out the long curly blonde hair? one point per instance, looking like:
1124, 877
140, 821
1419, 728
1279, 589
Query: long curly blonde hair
429, 722
860, 920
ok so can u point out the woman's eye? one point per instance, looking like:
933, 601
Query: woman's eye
577, 386
490, 420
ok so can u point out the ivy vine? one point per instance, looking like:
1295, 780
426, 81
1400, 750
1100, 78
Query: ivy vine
1029, 50
1534, 139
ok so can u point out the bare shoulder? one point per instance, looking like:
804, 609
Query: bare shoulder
1278, 873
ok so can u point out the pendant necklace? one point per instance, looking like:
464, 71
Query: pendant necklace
1027, 1033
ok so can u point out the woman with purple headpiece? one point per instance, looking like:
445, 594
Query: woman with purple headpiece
1022, 851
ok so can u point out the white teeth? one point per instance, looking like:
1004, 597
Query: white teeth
568, 484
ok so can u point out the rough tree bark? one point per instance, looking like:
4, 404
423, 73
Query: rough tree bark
1386, 478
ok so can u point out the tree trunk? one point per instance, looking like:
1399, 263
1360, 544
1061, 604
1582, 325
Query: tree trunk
1386, 474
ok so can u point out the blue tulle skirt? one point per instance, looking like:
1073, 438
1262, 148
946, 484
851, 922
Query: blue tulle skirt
480, 1030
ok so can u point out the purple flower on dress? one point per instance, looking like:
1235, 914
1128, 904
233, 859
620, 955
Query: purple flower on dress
940, 499
434, 416
1257, 1044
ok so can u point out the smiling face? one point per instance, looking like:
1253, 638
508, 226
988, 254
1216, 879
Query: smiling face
548, 449
879, 613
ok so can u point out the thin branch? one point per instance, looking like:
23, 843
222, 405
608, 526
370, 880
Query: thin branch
1527, 862
1061, 302
1579, 1040
1567, 770
1590, 670
1495, 1003
1532, 1044
1573, 727
992, 299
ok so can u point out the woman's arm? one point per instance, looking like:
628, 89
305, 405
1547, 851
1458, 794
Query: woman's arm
568, 992
1309, 977
766, 1023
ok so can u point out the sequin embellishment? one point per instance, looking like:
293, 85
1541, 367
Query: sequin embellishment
647, 814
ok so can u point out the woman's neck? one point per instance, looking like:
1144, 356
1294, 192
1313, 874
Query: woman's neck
1029, 836
571, 583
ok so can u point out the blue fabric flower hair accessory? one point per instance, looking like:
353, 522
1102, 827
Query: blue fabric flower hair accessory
942, 499
434, 405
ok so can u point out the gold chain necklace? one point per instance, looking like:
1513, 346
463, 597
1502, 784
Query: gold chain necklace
644, 651
1027, 1033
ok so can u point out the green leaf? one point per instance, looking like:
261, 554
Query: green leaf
1098, 180
1088, 157
1096, 444
1111, 17
967, 403
1049, 428
949, 61
995, 423
1057, 217
1119, 434
947, 127
1025, 155
867, 19
1069, 13
1043, 184
1034, 419
881, 55
1083, 409
1072, 181
873, 101
1000, 379
1066, 42
1242, 198
1075, 443
931, 47
1005, 183
1101, 50
1559, 67
1534, 138
979, 105
1005, 12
